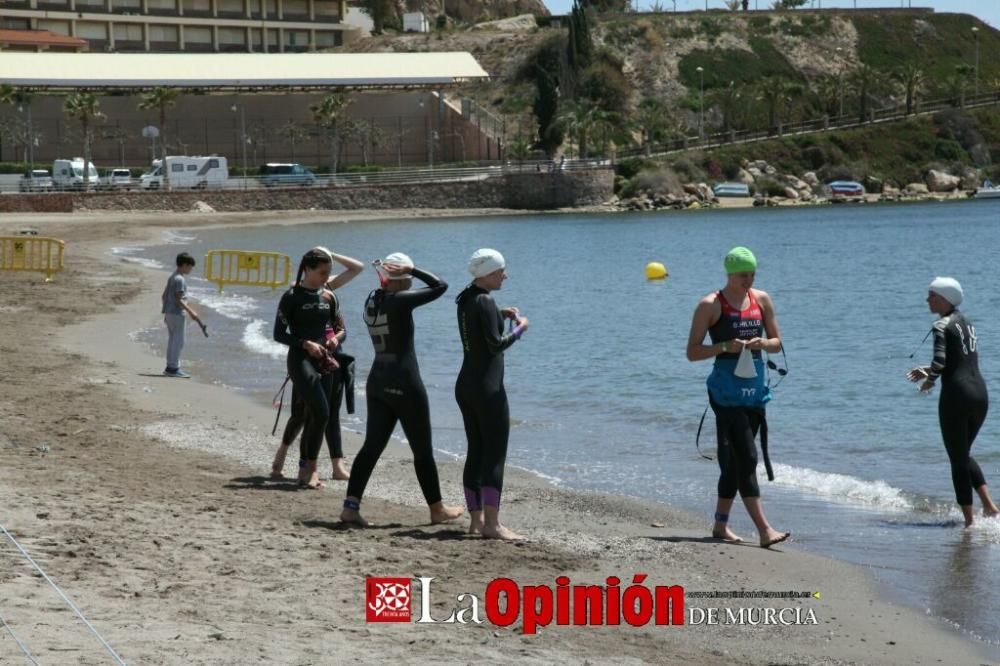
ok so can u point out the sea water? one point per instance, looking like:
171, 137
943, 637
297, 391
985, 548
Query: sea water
603, 398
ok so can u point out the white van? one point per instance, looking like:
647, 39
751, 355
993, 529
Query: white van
68, 175
187, 172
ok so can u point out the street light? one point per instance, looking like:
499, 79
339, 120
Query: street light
31, 135
975, 31
840, 83
701, 104
243, 138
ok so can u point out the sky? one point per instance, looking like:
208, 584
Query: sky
987, 10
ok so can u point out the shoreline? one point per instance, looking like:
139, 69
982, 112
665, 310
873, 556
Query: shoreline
582, 534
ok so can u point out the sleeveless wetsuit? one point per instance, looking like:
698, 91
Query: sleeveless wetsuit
481, 396
296, 418
303, 314
738, 403
395, 391
964, 400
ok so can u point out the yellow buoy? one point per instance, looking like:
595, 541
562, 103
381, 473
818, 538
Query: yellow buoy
656, 271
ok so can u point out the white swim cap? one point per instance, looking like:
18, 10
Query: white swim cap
485, 261
399, 259
947, 288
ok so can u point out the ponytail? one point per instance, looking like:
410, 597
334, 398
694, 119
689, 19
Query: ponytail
311, 259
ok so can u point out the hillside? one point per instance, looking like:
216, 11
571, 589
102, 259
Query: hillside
639, 81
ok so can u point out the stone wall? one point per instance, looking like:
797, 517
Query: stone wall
523, 191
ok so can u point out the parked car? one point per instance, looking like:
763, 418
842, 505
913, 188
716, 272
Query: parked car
36, 180
119, 179
272, 175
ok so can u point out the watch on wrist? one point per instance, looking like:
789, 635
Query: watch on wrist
725, 347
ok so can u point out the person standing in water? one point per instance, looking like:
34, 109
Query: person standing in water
964, 401
304, 314
480, 392
737, 317
352, 268
395, 391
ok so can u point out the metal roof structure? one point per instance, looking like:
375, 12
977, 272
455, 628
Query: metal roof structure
237, 72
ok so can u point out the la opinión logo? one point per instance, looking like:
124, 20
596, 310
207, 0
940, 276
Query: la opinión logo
389, 600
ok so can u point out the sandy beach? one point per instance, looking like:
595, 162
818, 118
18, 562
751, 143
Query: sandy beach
146, 500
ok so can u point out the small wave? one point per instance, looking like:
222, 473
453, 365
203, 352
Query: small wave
128, 254
843, 488
176, 238
231, 306
255, 340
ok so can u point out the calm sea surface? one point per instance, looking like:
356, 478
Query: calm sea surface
603, 398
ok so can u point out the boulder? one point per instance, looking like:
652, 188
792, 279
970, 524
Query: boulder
754, 172
691, 189
939, 181
890, 190
705, 192
770, 170
797, 184
744, 176
810, 177
916, 189
969, 179
791, 193
520, 23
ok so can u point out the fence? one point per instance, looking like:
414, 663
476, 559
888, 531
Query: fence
31, 254
248, 269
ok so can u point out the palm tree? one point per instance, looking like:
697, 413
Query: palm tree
651, 119
84, 107
958, 83
826, 94
777, 93
292, 132
519, 149
328, 114
729, 100
160, 99
863, 79
911, 77
577, 122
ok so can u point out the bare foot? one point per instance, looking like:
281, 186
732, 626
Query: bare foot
726, 535
502, 533
340, 472
772, 537
476, 524
352, 517
991, 512
443, 514
276, 475
313, 482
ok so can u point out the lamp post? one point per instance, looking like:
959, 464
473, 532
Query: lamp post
26, 109
701, 104
975, 31
243, 138
840, 84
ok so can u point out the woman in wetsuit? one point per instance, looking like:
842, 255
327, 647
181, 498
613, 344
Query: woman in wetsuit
480, 392
964, 400
352, 268
304, 313
737, 317
394, 391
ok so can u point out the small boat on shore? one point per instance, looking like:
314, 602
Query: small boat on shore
987, 191
731, 190
846, 190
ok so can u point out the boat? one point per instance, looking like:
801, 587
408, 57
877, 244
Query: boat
987, 191
731, 190
847, 189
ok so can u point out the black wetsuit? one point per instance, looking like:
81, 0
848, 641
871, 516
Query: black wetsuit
736, 425
395, 391
964, 400
481, 396
296, 418
303, 314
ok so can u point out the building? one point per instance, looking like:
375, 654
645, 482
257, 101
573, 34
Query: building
39, 40
198, 26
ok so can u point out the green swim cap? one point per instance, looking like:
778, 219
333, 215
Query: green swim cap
740, 260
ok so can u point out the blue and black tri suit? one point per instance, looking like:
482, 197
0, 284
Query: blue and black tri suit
738, 403
964, 400
303, 315
481, 396
395, 391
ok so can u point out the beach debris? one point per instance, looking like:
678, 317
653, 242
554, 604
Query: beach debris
201, 207
43, 448
147, 389
657, 525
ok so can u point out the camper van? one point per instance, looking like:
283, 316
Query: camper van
187, 173
68, 175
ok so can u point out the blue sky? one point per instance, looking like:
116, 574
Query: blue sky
987, 10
